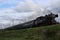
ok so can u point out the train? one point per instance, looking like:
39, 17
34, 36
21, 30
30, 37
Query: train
48, 19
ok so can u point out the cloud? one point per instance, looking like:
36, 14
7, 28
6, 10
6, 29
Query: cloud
27, 10
29, 5
41, 5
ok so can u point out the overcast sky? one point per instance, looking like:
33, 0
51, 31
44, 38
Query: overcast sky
22, 4
22, 9
11, 7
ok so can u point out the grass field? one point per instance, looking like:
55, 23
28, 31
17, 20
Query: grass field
51, 32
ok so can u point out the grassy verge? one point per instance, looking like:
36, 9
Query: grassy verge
51, 32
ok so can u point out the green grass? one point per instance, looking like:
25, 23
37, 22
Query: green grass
37, 33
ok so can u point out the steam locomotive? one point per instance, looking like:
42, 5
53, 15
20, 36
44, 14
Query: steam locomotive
48, 19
